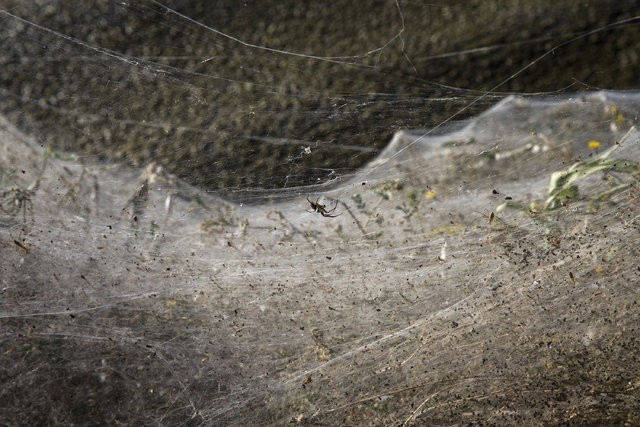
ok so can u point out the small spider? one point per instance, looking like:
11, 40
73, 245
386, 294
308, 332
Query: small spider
322, 209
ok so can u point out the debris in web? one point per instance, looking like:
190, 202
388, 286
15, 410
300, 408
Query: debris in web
129, 296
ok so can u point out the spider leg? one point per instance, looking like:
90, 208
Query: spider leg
331, 216
328, 213
334, 208
316, 206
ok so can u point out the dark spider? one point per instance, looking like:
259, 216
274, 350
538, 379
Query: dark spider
322, 209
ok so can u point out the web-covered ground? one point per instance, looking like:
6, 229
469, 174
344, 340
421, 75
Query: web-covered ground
452, 288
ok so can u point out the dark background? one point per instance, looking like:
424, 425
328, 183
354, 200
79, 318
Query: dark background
139, 83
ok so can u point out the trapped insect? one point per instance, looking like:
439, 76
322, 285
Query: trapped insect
322, 209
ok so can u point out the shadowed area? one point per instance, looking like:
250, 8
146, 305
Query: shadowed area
240, 97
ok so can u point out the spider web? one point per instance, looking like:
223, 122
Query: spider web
482, 268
